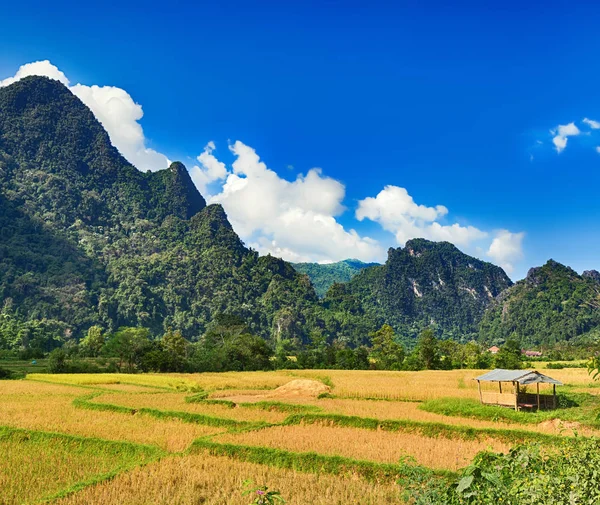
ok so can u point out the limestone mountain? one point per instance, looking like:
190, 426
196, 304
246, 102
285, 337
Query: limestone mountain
429, 284
552, 304
324, 275
86, 238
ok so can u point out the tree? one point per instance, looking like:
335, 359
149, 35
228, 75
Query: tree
509, 356
175, 347
387, 353
128, 344
93, 342
428, 349
57, 361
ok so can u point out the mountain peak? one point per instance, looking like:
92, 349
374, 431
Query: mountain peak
179, 193
591, 274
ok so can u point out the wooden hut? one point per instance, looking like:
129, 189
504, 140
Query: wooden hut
517, 398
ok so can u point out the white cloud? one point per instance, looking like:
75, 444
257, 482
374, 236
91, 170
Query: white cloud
113, 107
594, 125
506, 249
561, 134
210, 169
294, 220
37, 68
396, 211
598, 149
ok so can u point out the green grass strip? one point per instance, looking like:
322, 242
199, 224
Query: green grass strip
424, 428
33, 435
584, 410
84, 402
270, 406
311, 462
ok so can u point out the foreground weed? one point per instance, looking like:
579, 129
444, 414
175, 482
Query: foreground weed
261, 494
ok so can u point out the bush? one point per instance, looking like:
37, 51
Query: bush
5, 374
527, 475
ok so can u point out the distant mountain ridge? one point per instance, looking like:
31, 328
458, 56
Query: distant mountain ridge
429, 283
324, 275
552, 304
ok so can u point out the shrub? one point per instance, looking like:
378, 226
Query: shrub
527, 475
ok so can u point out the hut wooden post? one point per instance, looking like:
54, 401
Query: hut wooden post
479, 388
554, 396
500, 385
538, 396
516, 386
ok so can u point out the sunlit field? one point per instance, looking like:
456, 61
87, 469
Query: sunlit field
195, 438
381, 446
212, 480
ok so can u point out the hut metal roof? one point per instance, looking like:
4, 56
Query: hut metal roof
520, 376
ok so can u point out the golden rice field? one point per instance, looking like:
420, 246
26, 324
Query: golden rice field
381, 446
195, 438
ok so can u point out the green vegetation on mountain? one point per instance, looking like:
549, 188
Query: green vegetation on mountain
87, 239
323, 276
552, 304
88, 243
428, 284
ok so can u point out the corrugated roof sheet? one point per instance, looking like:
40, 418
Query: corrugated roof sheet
520, 376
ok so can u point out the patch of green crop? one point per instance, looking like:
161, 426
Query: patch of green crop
39, 466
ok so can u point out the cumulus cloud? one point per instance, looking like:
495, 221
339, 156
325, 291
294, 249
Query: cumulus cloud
37, 68
295, 220
209, 171
594, 125
562, 133
396, 211
506, 249
113, 107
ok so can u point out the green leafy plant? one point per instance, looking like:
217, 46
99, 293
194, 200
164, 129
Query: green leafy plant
261, 494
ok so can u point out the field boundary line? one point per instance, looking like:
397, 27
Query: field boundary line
270, 406
97, 386
312, 462
84, 402
424, 428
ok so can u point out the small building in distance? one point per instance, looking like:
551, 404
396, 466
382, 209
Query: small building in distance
531, 354
494, 349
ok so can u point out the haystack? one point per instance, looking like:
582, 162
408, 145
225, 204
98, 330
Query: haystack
300, 387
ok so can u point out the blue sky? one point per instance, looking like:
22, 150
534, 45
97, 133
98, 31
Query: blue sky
451, 108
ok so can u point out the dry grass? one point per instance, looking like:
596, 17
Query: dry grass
165, 381
176, 401
48, 407
211, 480
423, 385
380, 446
239, 380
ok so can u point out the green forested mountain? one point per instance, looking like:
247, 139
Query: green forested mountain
429, 284
552, 304
323, 276
86, 238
